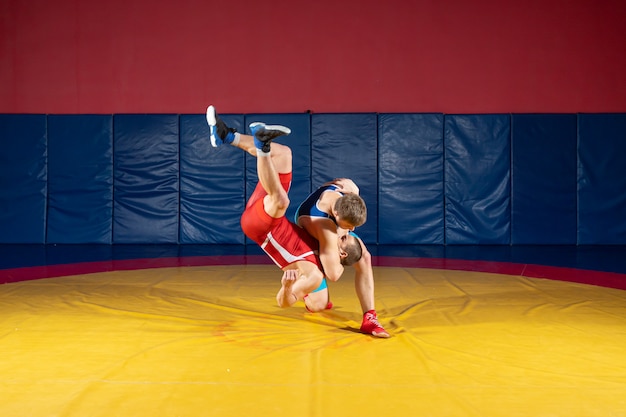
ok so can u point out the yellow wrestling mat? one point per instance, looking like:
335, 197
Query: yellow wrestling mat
210, 341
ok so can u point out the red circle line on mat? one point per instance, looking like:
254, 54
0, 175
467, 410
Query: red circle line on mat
582, 276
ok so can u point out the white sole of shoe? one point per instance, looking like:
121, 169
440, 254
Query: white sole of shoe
280, 128
211, 121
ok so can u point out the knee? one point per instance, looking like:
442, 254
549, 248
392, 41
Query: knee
281, 201
315, 307
316, 304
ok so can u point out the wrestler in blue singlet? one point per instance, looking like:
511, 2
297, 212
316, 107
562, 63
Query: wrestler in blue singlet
310, 208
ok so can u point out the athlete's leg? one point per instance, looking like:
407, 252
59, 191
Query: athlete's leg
223, 134
318, 300
276, 201
364, 286
364, 281
281, 154
298, 284
269, 164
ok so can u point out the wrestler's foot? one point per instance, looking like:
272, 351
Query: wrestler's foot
370, 325
265, 134
220, 133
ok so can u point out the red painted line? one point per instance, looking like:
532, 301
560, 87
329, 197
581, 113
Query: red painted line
581, 276
598, 278
453, 264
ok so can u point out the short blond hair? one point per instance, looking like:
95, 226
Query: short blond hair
351, 208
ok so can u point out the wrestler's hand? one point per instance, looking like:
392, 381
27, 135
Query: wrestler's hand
285, 296
345, 185
289, 278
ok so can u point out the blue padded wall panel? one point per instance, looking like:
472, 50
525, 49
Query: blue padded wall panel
212, 184
410, 179
80, 179
543, 191
346, 145
477, 179
146, 180
23, 177
300, 143
602, 179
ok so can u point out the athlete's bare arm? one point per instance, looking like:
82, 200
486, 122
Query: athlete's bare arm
325, 231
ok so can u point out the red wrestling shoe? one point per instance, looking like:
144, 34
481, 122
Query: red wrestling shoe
370, 325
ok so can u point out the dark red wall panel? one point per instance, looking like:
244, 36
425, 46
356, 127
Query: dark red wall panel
281, 56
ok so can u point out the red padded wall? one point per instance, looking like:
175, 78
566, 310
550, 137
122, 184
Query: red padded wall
456, 56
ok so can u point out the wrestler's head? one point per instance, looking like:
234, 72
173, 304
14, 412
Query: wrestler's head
350, 211
350, 250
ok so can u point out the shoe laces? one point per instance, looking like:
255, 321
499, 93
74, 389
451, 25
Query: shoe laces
373, 319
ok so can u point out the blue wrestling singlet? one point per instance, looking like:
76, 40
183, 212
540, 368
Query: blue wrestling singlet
309, 206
